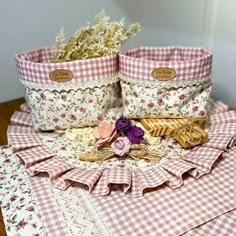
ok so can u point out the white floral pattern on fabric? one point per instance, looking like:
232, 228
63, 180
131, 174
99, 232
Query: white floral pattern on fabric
61, 109
149, 99
21, 216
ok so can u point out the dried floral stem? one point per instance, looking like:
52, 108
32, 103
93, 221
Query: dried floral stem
137, 152
103, 38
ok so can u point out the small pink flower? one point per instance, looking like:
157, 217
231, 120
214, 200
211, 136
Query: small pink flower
30, 208
13, 198
202, 113
21, 224
121, 146
64, 98
142, 101
150, 105
57, 127
43, 96
50, 100
176, 105
7, 161
159, 92
90, 100
105, 132
63, 115
182, 97
99, 117
160, 102
34, 225
195, 108
73, 117
22, 199
83, 110
135, 94
2, 177
126, 102
55, 120
175, 142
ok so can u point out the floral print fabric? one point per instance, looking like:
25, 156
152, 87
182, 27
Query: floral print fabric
149, 99
77, 107
21, 216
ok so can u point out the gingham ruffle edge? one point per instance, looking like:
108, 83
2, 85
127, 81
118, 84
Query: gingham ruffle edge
188, 62
199, 161
35, 65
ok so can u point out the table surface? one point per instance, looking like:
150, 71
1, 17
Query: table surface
6, 111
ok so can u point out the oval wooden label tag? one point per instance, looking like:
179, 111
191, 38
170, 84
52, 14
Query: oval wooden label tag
61, 75
163, 73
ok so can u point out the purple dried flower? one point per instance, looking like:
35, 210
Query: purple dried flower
123, 124
135, 135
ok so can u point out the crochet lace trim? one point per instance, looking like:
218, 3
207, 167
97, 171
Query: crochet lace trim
71, 85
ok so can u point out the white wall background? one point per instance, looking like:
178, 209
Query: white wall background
29, 24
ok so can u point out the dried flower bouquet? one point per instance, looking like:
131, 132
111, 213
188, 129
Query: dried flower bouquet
91, 41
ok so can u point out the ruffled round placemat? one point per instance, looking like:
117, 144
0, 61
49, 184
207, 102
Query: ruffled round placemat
58, 156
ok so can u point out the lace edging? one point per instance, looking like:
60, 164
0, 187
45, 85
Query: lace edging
166, 84
71, 85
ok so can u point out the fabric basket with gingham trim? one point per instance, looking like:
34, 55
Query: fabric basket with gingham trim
185, 94
91, 94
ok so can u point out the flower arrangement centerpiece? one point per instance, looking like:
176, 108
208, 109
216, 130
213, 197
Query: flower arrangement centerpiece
122, 138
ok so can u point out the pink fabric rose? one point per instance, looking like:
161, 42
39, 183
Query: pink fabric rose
105, 132
121, 146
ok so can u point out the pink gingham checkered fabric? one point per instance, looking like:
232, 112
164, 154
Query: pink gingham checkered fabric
85, 176
223, 118
49, 211
221, 128
189, 63
220, 141
17, 130
35, 155
167, 212
24, 108
218, 107
21, 118
56, 168
116, 175
203, 158
224, 225
34, 66
24, 141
